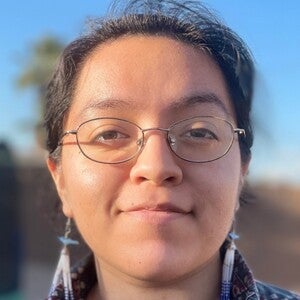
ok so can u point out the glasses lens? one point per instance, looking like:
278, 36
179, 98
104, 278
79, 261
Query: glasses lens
109, 140
201, 139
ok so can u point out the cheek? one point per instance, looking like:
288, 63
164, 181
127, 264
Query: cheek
91, 189
92, 192
217, 189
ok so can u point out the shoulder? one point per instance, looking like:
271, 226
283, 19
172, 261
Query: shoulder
268, 291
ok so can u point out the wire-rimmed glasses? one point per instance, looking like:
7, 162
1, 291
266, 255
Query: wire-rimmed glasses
113, 140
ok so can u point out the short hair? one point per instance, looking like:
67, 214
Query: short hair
187, 21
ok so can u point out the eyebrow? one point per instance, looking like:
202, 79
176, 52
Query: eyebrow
110, 104
212, 98
176, 105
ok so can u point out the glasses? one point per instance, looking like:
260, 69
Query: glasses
113, 140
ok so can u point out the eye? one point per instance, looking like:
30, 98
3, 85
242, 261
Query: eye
110, 135
112, 138
107, 135
200, 133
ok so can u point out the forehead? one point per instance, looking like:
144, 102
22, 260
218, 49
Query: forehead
148, 74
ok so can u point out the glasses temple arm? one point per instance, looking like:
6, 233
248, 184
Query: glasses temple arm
64, 134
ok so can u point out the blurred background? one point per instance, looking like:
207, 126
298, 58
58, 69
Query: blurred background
32, 35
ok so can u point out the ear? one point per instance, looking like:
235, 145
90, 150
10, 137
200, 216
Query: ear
58, 177
243, 175
245, 167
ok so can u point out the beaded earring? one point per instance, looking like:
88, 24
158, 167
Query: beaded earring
62, 273
228, 265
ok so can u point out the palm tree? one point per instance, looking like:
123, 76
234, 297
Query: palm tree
37, 70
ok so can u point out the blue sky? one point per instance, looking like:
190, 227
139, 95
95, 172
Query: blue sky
271, 29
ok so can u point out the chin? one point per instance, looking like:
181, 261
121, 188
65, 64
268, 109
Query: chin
160, 263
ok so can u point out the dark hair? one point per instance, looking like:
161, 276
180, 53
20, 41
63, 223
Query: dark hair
185, 21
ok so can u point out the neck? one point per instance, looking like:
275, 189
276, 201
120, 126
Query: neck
203, 284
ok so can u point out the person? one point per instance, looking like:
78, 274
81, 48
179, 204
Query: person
149, 138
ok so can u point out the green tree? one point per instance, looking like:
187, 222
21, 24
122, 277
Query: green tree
38, 67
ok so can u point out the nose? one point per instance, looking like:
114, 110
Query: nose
156, 163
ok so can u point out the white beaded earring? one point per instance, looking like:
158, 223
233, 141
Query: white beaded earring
228, 265
63, 273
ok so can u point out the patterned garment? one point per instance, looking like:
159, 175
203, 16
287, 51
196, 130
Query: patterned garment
244, 287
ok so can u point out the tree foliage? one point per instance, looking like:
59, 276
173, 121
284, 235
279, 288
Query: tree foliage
40, 63
36, 71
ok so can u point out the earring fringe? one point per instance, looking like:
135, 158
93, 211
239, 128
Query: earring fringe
228, 265
63, 270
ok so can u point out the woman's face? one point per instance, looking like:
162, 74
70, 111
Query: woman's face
155, 217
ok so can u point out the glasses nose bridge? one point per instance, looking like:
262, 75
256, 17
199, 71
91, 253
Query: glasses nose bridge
170, 140
166, 130
159, 129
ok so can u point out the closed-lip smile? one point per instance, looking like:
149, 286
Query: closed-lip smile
162, 207
158, 214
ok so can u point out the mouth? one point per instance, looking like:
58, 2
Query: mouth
163, 207
159, 214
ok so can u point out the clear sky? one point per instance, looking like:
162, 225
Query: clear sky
270, 27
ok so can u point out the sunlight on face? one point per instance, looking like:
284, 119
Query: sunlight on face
155, 217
